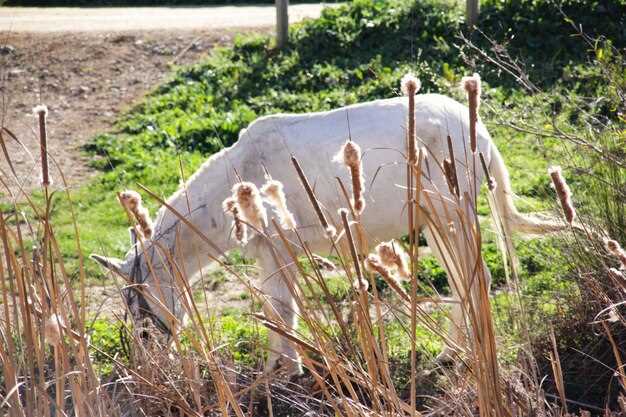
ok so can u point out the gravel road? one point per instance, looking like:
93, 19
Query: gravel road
48, 20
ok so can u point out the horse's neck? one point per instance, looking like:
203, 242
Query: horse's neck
195, 230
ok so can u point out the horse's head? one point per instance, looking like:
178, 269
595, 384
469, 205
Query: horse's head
139, 294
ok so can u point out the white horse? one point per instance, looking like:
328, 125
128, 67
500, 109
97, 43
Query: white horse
379, 127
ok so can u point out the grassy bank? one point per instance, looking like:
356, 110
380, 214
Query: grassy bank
336, 60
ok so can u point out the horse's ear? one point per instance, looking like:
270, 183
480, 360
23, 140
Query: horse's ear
112, 264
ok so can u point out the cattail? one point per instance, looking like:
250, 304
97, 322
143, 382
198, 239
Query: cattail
392, 255
359, 282
41, 112
250, 204
448, 170
329, 229
410, 85
374, 264
323, 263
52, 329
491, 181
276, 197
241, 230
132, 201
563, 192
616, 250
472, 87
350, 155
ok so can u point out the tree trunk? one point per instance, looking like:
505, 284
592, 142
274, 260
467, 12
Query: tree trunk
282, 23
471, 12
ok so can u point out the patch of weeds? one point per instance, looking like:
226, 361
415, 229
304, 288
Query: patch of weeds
105, 337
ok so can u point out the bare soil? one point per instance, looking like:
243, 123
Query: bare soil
86, 80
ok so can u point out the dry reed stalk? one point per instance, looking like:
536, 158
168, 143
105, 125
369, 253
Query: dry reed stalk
491, 181
276, 196
360, 283
329, 229
555, 361
617, 355
472, 87
563, 192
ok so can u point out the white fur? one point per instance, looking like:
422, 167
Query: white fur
379, 128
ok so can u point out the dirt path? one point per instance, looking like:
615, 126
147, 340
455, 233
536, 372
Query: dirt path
87, 78
33, 19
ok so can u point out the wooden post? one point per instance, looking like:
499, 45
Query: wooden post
471, 12
282, 23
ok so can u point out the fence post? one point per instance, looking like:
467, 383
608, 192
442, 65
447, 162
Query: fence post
471, 12
282, 23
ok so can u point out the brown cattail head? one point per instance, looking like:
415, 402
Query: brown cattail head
275, 194
616, 250
241, 230
563, 192
250, 204
410, 84
324, 263
472, 87
373, 264
132, 201
491, 181
449, 172
392, 255
41, 112
350, 154
52, 329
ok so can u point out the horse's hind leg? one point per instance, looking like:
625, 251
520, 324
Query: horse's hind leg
454, 263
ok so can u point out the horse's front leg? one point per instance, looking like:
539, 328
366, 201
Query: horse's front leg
279, 306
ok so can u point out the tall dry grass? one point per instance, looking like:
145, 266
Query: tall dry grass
47, 369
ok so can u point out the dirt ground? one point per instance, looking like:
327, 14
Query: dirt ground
88, 65
86, 80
